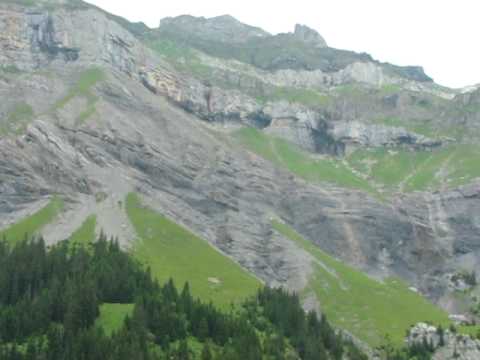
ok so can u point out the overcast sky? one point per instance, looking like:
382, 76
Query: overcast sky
440, 35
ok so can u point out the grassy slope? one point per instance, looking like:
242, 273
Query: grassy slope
473, 331
182, 57
112, 316
407, 170
464, 165
186, 59
32, 224
10, 69
423, 128
426, 176
172, 251
427, 128
285, 154
86, 233
403, 168
308, 97
389, 168
87, 79
367, 308
386, 169
17, 120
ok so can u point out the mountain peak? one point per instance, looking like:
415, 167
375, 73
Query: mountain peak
224, 28
309, 35
225, 18
51, 4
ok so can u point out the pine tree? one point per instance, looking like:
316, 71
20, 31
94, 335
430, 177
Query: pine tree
441, 335
206, 352
56, 297
274, 346
183, 352
203, 331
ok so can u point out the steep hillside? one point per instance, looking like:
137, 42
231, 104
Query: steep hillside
374, 164
173, 253
102, 304
367, 308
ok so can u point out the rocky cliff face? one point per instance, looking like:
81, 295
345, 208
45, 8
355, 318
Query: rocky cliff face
34, 38
161, 127
225, 29
446, 345
371, 135
309, 36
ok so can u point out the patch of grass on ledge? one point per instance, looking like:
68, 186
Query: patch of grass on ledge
407, 170
10, 69
389, 167
472, 330
34, 223
28, 3
307, 97
172, 251
17, 120
184, 58
83, 87
299, 162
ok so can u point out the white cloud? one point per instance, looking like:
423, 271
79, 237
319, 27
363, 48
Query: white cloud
440, 35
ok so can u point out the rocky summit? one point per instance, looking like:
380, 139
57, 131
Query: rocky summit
227, 130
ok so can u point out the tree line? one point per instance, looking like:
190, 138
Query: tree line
50, 300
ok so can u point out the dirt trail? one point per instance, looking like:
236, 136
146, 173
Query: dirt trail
113, 220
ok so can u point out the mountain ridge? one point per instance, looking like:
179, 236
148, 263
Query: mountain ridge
374, 168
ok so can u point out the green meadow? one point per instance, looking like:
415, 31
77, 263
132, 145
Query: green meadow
406, 170
17, 120
112, 316
83, 87
85, 235
367, 308
378, 171
171, 251
287, 155
32, 224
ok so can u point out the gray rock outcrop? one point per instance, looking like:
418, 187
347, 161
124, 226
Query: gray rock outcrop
159, 131
355, 134
446, 344
309, 36
223, 28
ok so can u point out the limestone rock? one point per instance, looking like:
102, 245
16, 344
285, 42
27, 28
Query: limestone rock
357, 134
309, 36
152, 133
447, 345
223, 28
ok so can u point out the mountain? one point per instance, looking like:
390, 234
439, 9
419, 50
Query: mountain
275, 158
222, 29
59, 308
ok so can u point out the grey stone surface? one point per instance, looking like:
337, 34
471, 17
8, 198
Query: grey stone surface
309, 36
357, 134
447, 346
223, 28
152, 133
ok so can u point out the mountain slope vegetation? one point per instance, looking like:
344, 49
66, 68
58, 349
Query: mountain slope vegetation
171, 251
102, 304
368, 308
224, 127
33, 223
